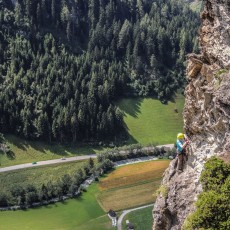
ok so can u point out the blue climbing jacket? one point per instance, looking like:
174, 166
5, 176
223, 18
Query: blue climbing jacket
179, 144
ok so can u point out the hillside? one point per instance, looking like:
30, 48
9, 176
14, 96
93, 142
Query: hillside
64, 63
149, 121
207, 122
22, 151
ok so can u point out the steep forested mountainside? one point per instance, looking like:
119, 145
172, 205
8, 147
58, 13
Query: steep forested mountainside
64, 62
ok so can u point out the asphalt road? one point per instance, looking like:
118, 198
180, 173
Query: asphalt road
48, 162
56, 161
125, 212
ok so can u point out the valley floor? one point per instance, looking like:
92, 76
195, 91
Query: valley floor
89, 211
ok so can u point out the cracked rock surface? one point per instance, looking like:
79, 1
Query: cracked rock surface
206, 117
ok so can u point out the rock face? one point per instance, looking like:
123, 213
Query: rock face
206, 117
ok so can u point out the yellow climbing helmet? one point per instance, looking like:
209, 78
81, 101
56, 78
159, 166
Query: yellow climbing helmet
180, 136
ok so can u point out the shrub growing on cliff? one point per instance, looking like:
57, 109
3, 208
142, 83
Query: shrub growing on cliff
163, 190
212, 207
215, 174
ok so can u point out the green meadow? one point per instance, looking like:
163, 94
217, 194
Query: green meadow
127, 186
83, 213
150, 121
147, 121
141, 219
38, 175
23, 151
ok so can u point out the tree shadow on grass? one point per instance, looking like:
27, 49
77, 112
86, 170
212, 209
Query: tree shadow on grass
19, 144
56, 148
79, 198
10, 155
46, 206
49, 206
131, 106
64, 202
66, 150
176, 96
129, 139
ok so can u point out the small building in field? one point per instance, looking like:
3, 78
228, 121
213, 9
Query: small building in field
130, 226
113, 216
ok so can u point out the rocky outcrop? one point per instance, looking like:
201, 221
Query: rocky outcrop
206, 116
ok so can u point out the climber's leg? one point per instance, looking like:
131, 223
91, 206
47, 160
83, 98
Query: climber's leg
180, 161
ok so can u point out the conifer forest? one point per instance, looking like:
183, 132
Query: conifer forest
64, 63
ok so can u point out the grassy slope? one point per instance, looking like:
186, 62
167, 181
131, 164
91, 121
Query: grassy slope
141, 219
147, 120
150, 121
78, 214
38, 175
86, 213
27, 151
131, 186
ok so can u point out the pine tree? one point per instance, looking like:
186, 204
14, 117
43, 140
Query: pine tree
124, 35
18, 14
68, 31
53, 11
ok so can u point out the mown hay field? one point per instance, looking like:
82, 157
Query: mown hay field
132, 185
135, 173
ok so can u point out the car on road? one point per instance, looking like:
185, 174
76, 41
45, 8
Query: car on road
34, 163
63, 158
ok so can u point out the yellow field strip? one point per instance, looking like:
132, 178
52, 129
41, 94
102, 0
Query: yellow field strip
131, 186
130, 197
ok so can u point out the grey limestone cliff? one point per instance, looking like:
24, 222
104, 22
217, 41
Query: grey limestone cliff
206, 116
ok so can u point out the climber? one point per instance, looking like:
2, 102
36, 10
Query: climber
181, 143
